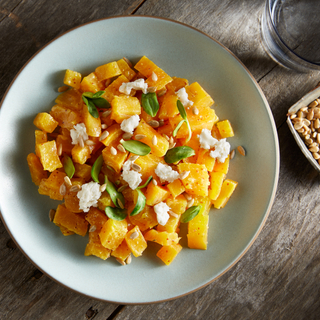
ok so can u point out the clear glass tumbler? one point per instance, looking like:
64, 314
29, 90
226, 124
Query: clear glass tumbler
291, 33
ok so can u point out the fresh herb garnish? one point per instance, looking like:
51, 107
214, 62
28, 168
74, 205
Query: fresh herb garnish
94, 100
178, 153
68, 166
190, 213
115, 195
141, 199
96, 168
137, 147
116, 213
150, 103
183, 114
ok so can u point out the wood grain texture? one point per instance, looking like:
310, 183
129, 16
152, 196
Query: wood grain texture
279, 277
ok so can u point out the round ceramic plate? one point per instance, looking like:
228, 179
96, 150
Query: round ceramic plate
182, 52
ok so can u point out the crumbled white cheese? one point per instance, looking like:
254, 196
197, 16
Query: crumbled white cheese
79, 132
132, 177
166, 173
89, 195
183, 97
221, 150
154, 77
206, 140
138, 84
128, 125
161, 209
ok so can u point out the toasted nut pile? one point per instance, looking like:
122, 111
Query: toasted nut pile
306, 122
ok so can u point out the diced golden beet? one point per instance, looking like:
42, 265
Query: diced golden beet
216, 180
112, 89
176, 187
171, 225
40, 137
168, 107
113, 233
205, 119
107, 71
126, 69
225, 129
71, 201
72, 79
36, 169
148, 164
162, 146
168, 253
65, 231
49, 157
145, 220
222, 167
122, 252
114, 161
166, 129
93, 125
205, 203
66, 117
176, 84
114, 133
135, 241
147, 68
91, 83
197, 182
45, 122
200, 98
105, 201
198, 232
70, 220
51, 186
205, 158
156, 194
227, 189
71, 99
128, 194
96, 249
79, 154
82, 171
146, 117
178, 205
96, 218
123, 107
164, 238
66, 143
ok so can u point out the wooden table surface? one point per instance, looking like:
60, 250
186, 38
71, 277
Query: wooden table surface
279, 277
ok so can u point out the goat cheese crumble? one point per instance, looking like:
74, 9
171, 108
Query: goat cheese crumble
138, 84
161, 209
183, 97
221, 147
132, 177
128, 125
166, 173
79, 132
89, 195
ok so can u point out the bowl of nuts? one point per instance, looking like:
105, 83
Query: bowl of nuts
304, 123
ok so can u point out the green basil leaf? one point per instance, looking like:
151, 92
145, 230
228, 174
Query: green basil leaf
101, 103
87, 95
150, 103
147, 182
92, 109
68, 166
136, 147
114, 194
96, 168
182, 110
178, 153
97, 94
190, 213
141, 203
116, 213
190, 132
175, 131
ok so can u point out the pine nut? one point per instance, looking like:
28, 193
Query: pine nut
313, 104
134, 235
135, 167
104, 126
103, 187
104, 135
67, 181
153, 123
106, 114
52, 212
63, 189
241, 150
140, 136
121, 148
113, 151
154, 140
127, 136
93, 228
